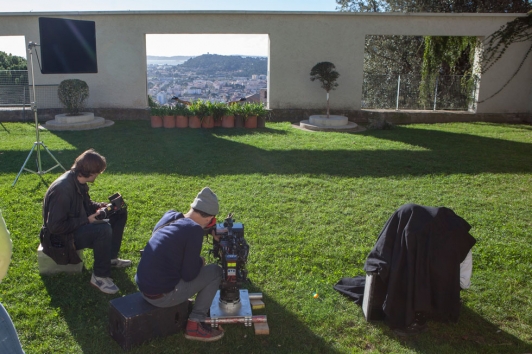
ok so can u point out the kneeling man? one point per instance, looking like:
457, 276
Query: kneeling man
171, 269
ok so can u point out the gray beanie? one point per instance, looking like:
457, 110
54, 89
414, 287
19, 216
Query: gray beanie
206, 201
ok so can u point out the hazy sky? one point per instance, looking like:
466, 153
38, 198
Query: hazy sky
164, 44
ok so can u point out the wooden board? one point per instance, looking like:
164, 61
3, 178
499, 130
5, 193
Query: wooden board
257, 304
261, 328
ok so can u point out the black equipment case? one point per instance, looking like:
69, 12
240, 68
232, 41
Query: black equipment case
133, 321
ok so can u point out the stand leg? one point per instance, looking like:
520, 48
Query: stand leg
24, 165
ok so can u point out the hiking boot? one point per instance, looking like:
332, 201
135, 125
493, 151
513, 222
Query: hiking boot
120, 263
105, 285
202, 332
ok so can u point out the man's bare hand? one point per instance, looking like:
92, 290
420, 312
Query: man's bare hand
92, 218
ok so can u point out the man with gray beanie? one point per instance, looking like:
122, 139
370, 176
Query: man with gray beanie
171, 269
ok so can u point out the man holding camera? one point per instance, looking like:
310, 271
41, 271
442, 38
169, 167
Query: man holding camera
171, 269
71, 222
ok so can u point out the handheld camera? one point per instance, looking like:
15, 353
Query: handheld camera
116, 204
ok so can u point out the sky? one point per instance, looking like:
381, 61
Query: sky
192, 45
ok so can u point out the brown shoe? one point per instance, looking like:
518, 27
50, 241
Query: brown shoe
202, 332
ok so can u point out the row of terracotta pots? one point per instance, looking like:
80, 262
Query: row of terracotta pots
206, 122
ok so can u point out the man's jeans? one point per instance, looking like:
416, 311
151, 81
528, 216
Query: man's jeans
9, 342
105, 239
205, 285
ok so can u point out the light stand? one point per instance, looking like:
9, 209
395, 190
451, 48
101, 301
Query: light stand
38, 143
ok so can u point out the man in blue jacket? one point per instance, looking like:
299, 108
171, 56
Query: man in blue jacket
171, 269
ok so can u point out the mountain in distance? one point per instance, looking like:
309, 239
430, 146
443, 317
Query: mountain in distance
214, 63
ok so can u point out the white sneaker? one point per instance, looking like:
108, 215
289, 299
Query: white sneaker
105, 285
120, 263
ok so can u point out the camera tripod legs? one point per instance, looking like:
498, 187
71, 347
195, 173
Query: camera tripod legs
39, 171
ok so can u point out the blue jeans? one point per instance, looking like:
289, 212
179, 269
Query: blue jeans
205, 285
9, 342
105, 239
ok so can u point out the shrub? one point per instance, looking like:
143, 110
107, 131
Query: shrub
72, 93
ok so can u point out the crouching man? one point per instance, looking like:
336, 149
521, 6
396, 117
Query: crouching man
171, 269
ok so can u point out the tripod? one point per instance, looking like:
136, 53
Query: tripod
38, 143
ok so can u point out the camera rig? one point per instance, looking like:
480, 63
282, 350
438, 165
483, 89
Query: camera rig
232, 252
231, 303
116, 204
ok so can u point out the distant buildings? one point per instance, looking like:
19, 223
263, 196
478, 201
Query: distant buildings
166, 81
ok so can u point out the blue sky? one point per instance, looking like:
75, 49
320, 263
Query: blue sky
157, 45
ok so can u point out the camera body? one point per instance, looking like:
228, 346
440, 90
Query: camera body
232, 252
116, 204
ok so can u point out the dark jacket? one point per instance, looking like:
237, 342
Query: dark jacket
418, 256
66, 207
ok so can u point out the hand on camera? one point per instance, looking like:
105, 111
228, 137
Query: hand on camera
92, 218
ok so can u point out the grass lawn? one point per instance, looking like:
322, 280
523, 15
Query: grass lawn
313, 204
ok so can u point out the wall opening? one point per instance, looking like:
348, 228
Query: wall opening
214, 67
393, 75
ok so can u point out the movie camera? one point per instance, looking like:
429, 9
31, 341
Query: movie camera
232, 251
116, 204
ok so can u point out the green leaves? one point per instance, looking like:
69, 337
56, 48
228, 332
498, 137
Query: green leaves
72, 94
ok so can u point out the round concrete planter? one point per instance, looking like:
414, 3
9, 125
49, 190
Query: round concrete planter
332, 121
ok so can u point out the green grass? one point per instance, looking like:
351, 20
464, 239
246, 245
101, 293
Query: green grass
313, 205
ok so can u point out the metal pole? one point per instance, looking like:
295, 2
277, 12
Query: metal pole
38, 143
435, 93
398, 86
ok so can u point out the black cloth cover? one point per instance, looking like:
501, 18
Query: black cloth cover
417, 256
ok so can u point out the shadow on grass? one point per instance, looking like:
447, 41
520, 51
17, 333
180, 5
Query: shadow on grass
194, 152
472, 334
85, 310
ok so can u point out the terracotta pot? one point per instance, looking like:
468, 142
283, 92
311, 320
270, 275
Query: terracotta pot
218, 122
156, 122
169, 121
251, 122
181, 122
207, 122
194, 122
239, 122
228, 121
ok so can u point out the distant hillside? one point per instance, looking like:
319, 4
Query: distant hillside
210, 64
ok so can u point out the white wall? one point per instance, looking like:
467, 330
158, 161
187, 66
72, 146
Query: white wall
297, 42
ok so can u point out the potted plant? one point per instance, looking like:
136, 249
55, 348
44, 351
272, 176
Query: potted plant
207, 121
262, 114
157, 114
219, 111
325, 72
168, 118
235, 109
197, 111
72, 93
181, 115
248, 114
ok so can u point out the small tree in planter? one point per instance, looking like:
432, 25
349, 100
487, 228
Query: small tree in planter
72, 93
235, 109
325, 72
262, 114
247, 111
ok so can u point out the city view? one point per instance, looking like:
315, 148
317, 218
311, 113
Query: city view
217, 78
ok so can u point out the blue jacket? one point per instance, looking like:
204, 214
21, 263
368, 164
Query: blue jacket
172, 254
